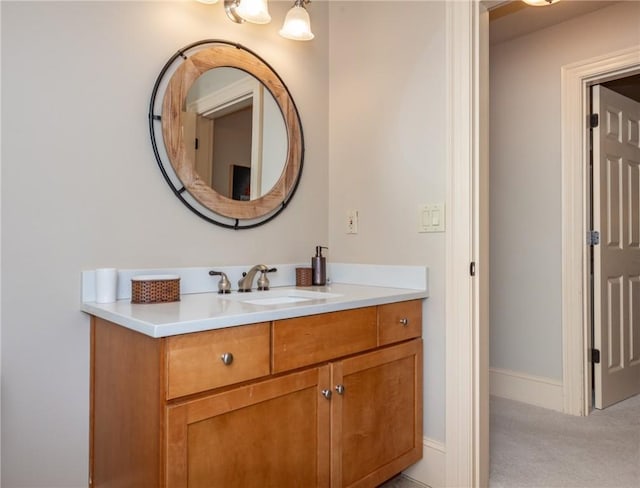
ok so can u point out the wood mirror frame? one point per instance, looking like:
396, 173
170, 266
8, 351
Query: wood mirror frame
180, 173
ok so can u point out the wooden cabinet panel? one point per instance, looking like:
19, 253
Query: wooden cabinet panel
194, 361
399, 321
377, 420
273, 433
126, 409
309, 340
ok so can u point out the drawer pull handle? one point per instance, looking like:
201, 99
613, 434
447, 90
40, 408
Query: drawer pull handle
227, 358
404, 322
326, 394
340, 389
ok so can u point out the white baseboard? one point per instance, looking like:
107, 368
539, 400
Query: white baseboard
535, 390
430, 470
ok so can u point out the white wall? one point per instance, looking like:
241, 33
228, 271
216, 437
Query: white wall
526, 330
387, 154
81, 189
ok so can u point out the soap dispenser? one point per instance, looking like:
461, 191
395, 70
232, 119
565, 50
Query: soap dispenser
319, 266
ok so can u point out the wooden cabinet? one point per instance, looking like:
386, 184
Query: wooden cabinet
330, 400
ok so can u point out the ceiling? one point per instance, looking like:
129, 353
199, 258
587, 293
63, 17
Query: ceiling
510, 19
629, 86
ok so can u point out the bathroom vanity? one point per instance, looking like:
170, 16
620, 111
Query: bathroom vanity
217, 391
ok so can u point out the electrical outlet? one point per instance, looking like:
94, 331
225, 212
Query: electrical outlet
352, 222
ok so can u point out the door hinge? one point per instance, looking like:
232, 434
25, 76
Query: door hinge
593, 238
472, 268
594, 121
595, 356
197, 143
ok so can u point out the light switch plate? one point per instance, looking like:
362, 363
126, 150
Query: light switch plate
352, 222
431, 218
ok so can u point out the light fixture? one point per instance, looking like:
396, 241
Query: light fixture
297, 25
540, 3
254, 11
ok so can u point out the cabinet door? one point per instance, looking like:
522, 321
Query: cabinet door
274, 433
377, 419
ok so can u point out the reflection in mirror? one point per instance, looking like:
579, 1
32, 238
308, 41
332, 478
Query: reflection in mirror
239, 137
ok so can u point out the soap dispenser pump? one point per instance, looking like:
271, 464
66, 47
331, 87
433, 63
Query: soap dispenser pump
319, 265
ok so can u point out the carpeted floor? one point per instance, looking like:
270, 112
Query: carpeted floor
538, 448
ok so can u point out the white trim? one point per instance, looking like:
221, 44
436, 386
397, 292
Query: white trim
535, 390
466, 352
257, 121
430, 470
227, 98
481, 244
575, 79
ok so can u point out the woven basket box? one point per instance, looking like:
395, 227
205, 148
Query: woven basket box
304, 276
155, 289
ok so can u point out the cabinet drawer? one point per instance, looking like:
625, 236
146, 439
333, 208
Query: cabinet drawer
303, 341
195, 361
399, 321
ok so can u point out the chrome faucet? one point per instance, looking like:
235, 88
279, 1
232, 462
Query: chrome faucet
245, 283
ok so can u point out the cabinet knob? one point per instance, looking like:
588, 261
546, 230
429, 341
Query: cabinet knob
326, 394
227, 358
340, 389
404, 322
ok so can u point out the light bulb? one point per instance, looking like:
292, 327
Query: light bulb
297, 25
539, 3
255, 11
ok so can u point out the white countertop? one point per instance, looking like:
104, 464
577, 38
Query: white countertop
206, 311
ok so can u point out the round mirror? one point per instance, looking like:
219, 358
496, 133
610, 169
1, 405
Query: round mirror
226, 134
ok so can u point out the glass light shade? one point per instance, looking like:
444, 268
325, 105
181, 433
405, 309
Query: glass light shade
255, 11
540, 3
297, 25
208, 2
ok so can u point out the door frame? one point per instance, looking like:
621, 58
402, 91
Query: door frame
466, 296
576, 78
466, 439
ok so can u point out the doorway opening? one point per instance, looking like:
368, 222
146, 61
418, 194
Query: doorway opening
577, 79
614, 240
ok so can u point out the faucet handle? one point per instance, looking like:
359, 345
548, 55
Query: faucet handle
224, 285
263, 281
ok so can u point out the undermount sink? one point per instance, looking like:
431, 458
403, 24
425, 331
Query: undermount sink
280, 297
276, 300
